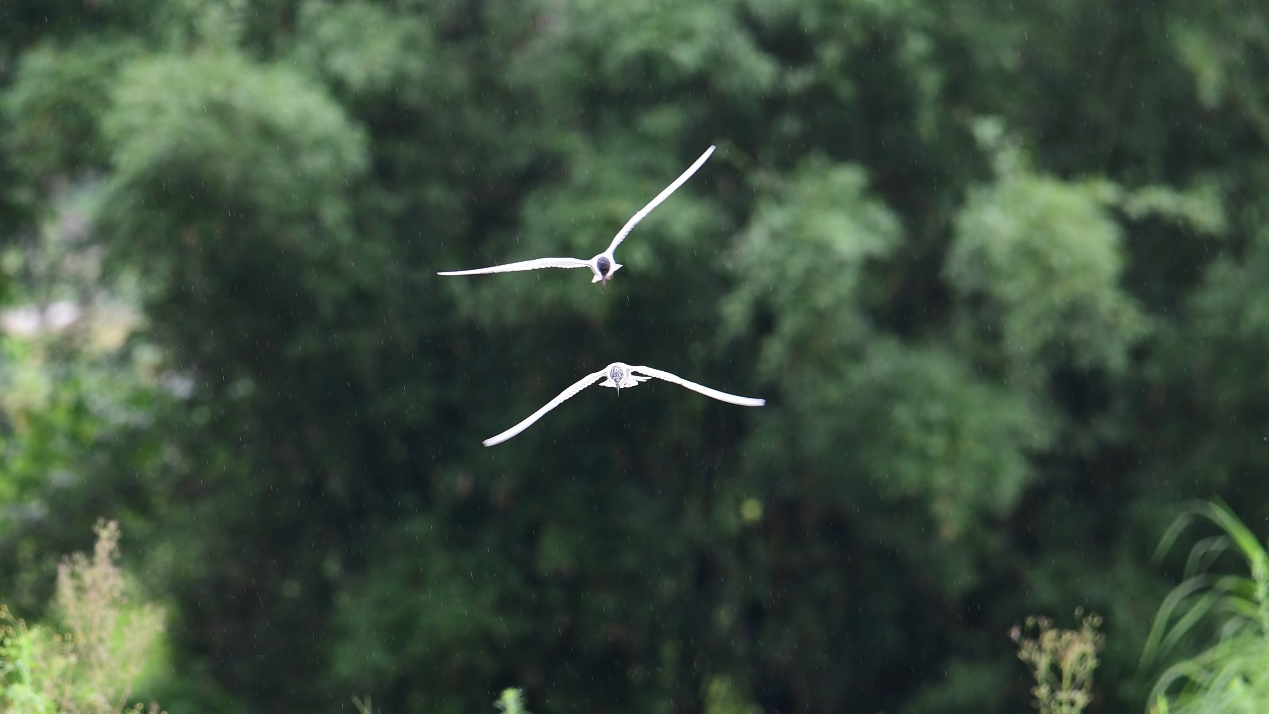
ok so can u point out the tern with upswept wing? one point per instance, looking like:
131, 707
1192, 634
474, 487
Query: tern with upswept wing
619, 375
604, 264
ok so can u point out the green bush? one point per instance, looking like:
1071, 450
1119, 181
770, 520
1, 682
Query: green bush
92, 665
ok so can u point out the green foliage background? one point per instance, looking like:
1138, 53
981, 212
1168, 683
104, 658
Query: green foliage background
999, 269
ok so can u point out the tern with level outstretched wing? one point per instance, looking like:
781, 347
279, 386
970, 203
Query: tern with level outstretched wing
604, 264
618, 375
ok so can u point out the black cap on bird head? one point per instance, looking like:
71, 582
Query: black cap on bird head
604, 266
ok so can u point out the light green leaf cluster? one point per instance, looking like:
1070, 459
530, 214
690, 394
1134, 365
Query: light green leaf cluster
214, 158
1224, 46
913, 430
257, 136
800, 262
1234, 309
662, 42
928, 431
1040, 260
924, 430
1200, 207
369, 50
55, 104
511, 701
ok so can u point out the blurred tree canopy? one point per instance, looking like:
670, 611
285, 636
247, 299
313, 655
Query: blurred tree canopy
999, 269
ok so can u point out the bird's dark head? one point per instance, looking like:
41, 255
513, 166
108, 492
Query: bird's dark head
604, 267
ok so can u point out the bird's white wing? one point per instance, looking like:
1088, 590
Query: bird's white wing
721, 396
578, 386
643, 212
525, 265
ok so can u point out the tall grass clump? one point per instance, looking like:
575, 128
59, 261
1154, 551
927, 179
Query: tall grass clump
90, 666
1062, 662
1228, 613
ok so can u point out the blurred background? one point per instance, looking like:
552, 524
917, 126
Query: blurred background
1001, 271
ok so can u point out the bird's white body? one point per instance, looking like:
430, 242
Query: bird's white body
619, 375
604, 264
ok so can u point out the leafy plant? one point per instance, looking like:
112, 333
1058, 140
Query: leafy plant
1040, 260
511, 701
90, 668
1062, 662
1232, 674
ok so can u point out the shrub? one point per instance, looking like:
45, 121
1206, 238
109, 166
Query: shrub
1062, 662
91, 667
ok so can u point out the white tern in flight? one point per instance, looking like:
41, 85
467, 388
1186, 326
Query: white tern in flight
604, 264
620, 375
